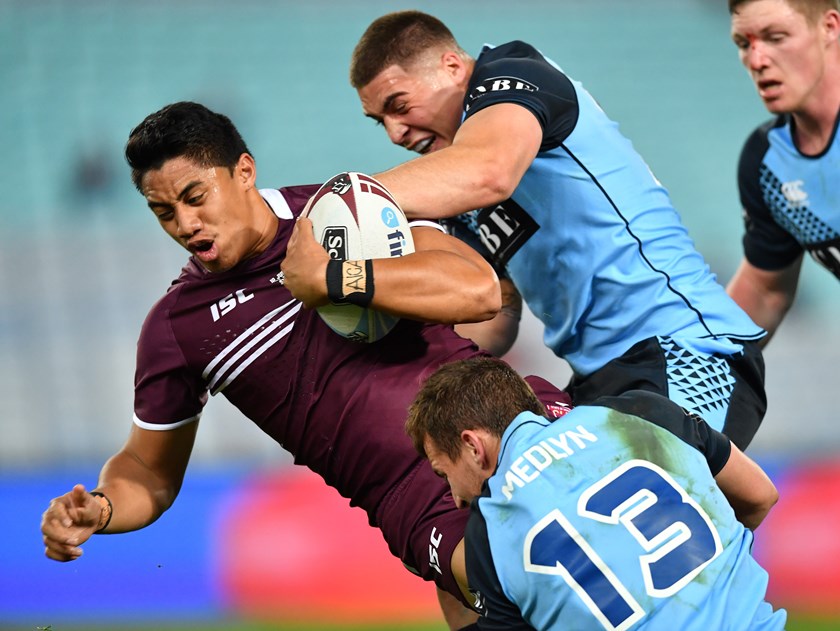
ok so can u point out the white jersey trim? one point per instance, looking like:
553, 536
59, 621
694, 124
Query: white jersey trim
426, 223
275, 199
162, 427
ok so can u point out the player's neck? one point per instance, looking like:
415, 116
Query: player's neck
814, 124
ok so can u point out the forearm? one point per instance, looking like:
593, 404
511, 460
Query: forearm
436, 286
138, 497
766, 296
747, 488
444, 184
488, 157
767, 310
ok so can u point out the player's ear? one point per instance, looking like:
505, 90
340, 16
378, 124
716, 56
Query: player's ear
453, 65
246, 170
474, 446
831, 25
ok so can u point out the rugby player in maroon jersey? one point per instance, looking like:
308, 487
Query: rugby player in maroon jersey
233, 323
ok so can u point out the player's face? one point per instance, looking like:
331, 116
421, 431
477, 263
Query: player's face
465, 476
208, 211
783, 52
421, 107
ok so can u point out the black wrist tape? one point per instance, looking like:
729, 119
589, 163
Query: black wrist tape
350, 282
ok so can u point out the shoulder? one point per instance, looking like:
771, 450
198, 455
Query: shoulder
290, 200
517, 72
663, 413
758, 142
515, 49
517, 58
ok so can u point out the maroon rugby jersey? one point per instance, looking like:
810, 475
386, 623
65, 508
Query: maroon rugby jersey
338, 406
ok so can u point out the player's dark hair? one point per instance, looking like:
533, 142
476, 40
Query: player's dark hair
811, 9
397, 38
477, 393
183, 129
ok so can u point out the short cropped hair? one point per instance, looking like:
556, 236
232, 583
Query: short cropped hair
811, 9
477, 393
398, 38
183, 129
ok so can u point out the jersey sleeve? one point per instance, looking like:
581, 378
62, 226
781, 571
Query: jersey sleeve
166, 394
518, 73
498, 613
687, 426
767, 245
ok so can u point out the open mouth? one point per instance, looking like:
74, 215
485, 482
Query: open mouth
204, 249
424, 145
768, 87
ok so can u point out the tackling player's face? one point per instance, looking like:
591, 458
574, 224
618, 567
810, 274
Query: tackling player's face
420, 107
208, 210
464, 475
783, 52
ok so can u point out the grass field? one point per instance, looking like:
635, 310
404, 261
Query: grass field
795, 623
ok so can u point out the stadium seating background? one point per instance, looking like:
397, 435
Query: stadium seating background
81, 260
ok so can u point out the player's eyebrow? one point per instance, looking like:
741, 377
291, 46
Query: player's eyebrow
183, 194
387, 104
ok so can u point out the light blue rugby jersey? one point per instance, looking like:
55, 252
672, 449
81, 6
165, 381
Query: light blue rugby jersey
791, 201
605, 520
590, 237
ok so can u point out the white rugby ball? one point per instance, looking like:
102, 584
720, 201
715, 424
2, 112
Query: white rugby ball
354, 217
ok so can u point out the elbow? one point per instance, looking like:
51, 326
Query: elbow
481, 301
770, 500
761, 508
487, 299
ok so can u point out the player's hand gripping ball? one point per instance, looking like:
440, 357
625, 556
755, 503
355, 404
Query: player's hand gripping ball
355, 218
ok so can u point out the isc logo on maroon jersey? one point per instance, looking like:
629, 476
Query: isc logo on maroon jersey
335, 242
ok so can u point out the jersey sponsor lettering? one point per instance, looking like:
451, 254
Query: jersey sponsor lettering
504, 229
499, 84
826, 254
434, 543
229, 303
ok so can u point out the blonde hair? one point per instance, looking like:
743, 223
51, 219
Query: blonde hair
813, 10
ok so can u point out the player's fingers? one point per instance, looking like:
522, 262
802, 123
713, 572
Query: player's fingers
304, 223
56, 517
59, 552
79, 495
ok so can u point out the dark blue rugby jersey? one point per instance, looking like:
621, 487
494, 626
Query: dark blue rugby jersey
791, 201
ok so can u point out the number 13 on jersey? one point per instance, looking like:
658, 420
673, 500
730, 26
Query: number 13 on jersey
676, 535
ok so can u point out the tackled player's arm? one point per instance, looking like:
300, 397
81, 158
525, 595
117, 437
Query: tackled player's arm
497, 336
748, 488
488, 157
143, 479
443, 280
140, 482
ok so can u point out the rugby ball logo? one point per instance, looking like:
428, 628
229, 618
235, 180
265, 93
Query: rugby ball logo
355, 218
